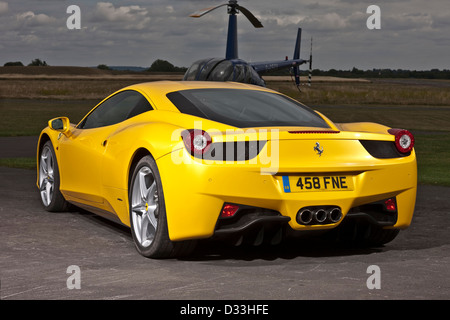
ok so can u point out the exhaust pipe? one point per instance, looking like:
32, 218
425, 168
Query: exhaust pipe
304, 216
320, 216
334, 215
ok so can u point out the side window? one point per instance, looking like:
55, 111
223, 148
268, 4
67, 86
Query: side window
118, 108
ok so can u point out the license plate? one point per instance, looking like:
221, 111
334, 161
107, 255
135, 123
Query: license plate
317, 183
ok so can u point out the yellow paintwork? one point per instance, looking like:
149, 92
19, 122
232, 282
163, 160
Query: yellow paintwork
95, 166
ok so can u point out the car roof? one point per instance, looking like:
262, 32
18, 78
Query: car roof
170, 86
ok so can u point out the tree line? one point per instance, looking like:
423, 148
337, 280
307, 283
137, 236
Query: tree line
383, 73
34, 63
158, 65
161, 65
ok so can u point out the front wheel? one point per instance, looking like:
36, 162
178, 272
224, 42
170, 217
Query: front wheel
148, 214
51, 197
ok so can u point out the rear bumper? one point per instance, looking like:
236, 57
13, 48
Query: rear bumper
195, 192
253, 224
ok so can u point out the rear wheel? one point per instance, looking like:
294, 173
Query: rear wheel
51, 197
379, 236
148, 214
364, 234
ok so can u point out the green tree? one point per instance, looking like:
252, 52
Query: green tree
38, 63
160, 65
103, 67
13, 64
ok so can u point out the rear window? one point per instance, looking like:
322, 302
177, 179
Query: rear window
245, 108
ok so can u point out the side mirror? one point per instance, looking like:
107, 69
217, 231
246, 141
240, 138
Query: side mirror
61, 124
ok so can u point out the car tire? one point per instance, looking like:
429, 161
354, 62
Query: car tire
148, 220
364, 234
379, 237
49, 180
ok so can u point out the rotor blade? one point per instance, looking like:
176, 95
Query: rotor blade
298, 43
256, 23
202, 12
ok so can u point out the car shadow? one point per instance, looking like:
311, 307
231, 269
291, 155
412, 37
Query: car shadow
101, 222
213, 250
418, 237
209, 250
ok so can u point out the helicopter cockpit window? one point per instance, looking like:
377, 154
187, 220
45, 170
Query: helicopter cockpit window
240, 74
255, 78
217, 69
191, 73
222, 72
207, 68
246, 74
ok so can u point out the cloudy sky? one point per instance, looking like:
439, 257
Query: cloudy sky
414, 34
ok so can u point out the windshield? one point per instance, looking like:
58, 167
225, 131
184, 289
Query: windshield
245, 108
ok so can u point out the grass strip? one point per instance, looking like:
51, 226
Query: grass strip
22, 163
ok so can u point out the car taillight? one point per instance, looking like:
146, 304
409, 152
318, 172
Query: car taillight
404, 140
197, 142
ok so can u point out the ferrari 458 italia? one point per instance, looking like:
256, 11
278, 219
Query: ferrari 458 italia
182, 161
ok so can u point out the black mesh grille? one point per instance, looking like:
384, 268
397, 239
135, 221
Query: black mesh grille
234, 151
382, 149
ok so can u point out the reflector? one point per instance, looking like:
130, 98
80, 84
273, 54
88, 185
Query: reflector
390, 205
229, 210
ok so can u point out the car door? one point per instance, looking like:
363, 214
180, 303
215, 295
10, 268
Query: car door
81, 152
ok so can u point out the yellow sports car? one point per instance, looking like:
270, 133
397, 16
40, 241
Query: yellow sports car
181, 161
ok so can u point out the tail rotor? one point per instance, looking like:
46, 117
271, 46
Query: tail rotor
310, 64
296, 68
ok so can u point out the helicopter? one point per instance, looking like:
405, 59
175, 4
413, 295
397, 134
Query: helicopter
231, 68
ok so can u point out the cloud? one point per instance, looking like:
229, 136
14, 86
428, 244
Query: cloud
169, 9
441, 20
3, 7
125, 17
29, 18
328, 21
140, 31
408, 21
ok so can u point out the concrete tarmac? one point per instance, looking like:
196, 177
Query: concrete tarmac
47, 256
18, 147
